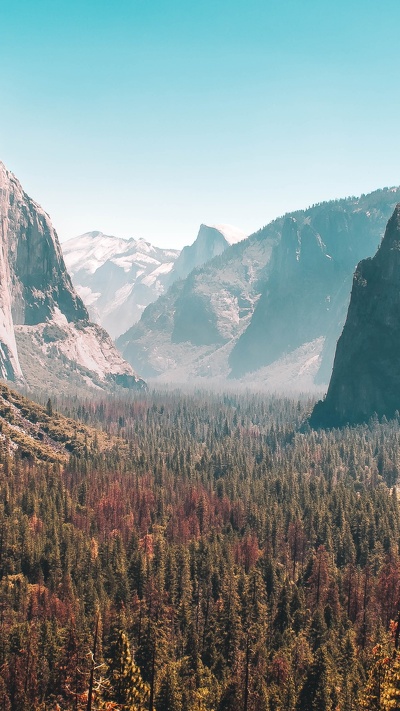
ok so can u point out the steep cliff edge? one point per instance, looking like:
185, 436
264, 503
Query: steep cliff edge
45, 333
307, 292
366, 372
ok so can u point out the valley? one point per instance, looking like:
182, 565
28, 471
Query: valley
273, 298
199, 356
200, 541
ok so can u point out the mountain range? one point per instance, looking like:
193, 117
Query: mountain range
118, 278
265, 310
268, 310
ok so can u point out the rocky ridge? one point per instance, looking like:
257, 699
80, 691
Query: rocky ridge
117, 278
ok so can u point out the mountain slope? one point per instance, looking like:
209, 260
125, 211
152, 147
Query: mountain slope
187, 332
280, 294
309, 284
35, 432
366, 373
43, 322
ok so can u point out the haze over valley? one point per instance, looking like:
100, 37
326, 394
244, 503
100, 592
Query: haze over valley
265, 310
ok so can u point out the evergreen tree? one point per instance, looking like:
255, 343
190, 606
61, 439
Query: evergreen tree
371, 695
169, 697
126, 686
316, 693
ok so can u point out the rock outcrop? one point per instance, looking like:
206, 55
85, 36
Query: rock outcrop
211, 241
45, 333
366, 372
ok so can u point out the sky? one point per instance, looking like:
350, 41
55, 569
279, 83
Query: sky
145, 118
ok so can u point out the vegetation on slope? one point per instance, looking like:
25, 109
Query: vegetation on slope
39, 433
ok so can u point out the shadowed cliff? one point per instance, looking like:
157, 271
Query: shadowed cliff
366, 372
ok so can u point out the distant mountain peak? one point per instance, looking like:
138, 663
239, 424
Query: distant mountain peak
117, 278
211, 241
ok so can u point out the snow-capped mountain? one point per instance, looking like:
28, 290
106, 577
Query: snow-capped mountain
270, 308
118, 278
45, 334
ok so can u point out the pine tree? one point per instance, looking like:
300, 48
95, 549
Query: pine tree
169, 697
371, 695
316, 693
126, 685
350, 673
282, 617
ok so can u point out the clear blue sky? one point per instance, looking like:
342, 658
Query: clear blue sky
145, 118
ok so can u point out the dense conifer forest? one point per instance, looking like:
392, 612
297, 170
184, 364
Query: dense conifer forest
218, 556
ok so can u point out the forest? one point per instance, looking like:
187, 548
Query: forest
219, 555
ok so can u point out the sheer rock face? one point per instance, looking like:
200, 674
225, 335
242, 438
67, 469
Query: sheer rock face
366, 371
37, 296
294, 307
210, 242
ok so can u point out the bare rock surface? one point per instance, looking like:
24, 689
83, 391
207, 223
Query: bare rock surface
366, 372
43, 322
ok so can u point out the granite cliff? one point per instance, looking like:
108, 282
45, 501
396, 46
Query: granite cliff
366, 372
45, 334
211, 241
